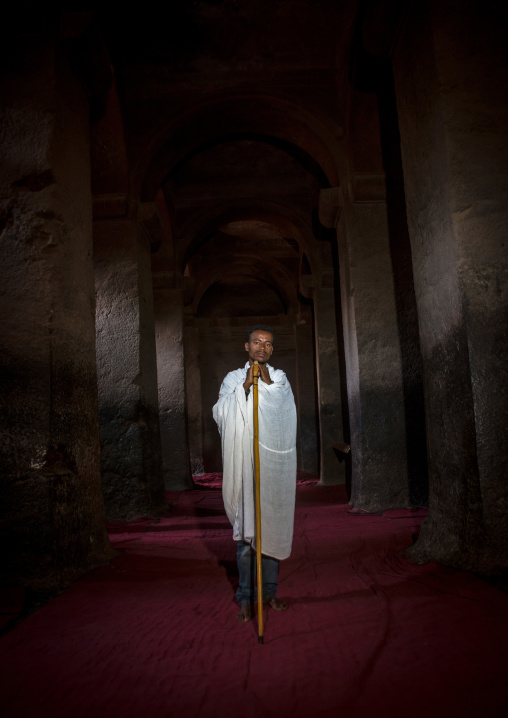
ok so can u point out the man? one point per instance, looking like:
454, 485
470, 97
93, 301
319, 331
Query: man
277, 457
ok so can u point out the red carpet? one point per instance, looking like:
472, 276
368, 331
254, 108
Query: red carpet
368, 633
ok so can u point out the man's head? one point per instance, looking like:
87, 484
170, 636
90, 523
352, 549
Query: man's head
259, 343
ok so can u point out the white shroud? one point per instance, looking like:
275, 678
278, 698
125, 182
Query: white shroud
277, 459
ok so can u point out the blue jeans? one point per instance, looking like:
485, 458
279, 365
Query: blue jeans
247, 590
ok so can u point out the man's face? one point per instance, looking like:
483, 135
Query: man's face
260, 346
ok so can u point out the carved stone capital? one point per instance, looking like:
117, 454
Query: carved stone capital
330, 206
308, 284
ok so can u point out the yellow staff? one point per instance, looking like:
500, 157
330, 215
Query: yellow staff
255, 375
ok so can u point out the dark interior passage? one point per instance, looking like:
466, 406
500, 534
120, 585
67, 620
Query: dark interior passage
171, 175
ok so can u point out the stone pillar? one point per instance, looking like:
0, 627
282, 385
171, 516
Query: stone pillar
328, 380
322, 290
50, 497
305, 395
194, 403
127, 372
171, 374
169, 305
371, 343
451, 84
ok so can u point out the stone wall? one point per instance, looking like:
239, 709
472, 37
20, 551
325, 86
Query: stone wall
51, 500
451, 84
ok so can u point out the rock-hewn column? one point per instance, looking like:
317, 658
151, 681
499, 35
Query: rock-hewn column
193, 394
305, 396
171, 375
322, 290
50, 497
168, 306
328, 379
127, 372
453, 115
372, 348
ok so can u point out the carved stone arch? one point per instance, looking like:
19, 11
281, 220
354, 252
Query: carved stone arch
230, 115
275, 277
292, 225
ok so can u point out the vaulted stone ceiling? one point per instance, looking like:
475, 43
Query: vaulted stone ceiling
250, 249
234, 108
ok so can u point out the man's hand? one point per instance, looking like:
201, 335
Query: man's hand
249, 381
264, 373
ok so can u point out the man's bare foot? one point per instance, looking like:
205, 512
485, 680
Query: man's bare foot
278, 604
245, 613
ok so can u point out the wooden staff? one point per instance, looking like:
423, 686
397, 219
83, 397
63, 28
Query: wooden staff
255, 375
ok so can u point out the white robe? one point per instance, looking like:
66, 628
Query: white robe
277, 459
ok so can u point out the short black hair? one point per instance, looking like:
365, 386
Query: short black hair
259, 328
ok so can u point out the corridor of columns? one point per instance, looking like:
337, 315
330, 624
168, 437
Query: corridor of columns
171, 176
